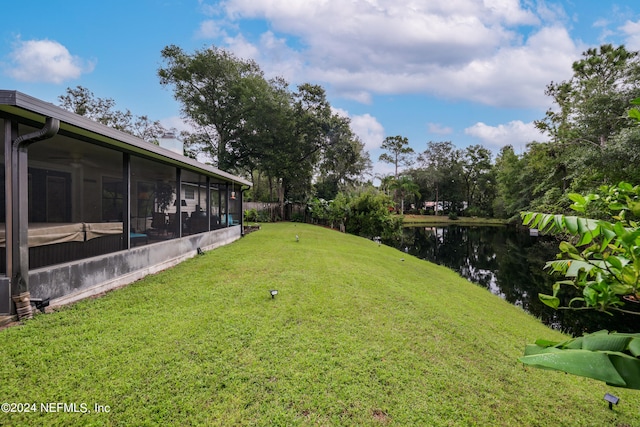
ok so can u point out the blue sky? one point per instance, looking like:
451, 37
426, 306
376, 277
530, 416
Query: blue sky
466, 71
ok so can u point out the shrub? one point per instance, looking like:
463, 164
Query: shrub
251, 215
366, 214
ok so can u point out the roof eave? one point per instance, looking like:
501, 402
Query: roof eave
21, 105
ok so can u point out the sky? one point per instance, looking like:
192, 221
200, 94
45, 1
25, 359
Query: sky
465, 71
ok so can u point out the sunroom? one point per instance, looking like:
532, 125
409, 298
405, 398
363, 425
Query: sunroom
87, 208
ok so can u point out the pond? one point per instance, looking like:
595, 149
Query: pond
509, 263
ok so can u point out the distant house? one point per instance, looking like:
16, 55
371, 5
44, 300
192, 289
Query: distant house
86, 208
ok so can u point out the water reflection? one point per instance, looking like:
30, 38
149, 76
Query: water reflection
509, 263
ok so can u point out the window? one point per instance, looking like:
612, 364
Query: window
111, 199
189, 193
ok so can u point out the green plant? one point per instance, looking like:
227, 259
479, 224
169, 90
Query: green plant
601, 259
319, 209
604, 356
297, 217
366, 213
251, 215
263, 216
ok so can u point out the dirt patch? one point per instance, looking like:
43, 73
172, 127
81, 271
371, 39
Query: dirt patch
381, 416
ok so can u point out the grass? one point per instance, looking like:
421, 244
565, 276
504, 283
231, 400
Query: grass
355, 336
444, 220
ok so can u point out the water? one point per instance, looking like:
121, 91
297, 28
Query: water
508, 262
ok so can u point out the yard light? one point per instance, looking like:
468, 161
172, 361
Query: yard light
40, 303
613, 400
273, 293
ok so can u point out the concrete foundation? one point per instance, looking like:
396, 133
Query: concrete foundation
67, 283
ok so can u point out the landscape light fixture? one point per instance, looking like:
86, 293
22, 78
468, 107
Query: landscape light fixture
40, 303
613, 400
200, 251
273, 293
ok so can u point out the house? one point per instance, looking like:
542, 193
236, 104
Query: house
87, 208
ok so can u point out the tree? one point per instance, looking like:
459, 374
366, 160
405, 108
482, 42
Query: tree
443, 169
590, 114
385, 183
476, 175
261, 128
508, 173
593, 104
219, 93
343, 161
83, 102
399, 153
405, 187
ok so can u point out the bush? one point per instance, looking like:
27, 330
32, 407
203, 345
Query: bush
366, 214
263, 216
251, 215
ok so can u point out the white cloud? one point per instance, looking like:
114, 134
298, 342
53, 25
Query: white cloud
45, 61
381, 169
369, 130
366, 127
439, 129
513, 77
632, 33
210, 29
242, 47
515, 133
460, 49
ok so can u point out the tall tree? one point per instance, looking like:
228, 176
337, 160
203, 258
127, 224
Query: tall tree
405, 187
592, 105
219, 93
476, 174
259, 127
398, 152
343, 161
590, 113
441, 162
82, 101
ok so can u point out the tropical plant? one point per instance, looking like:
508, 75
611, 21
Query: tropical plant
404, 187
600, 258
607, 269
603, 356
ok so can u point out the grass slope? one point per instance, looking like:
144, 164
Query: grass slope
356, 336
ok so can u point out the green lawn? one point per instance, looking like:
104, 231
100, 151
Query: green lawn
444, 220
355, 336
